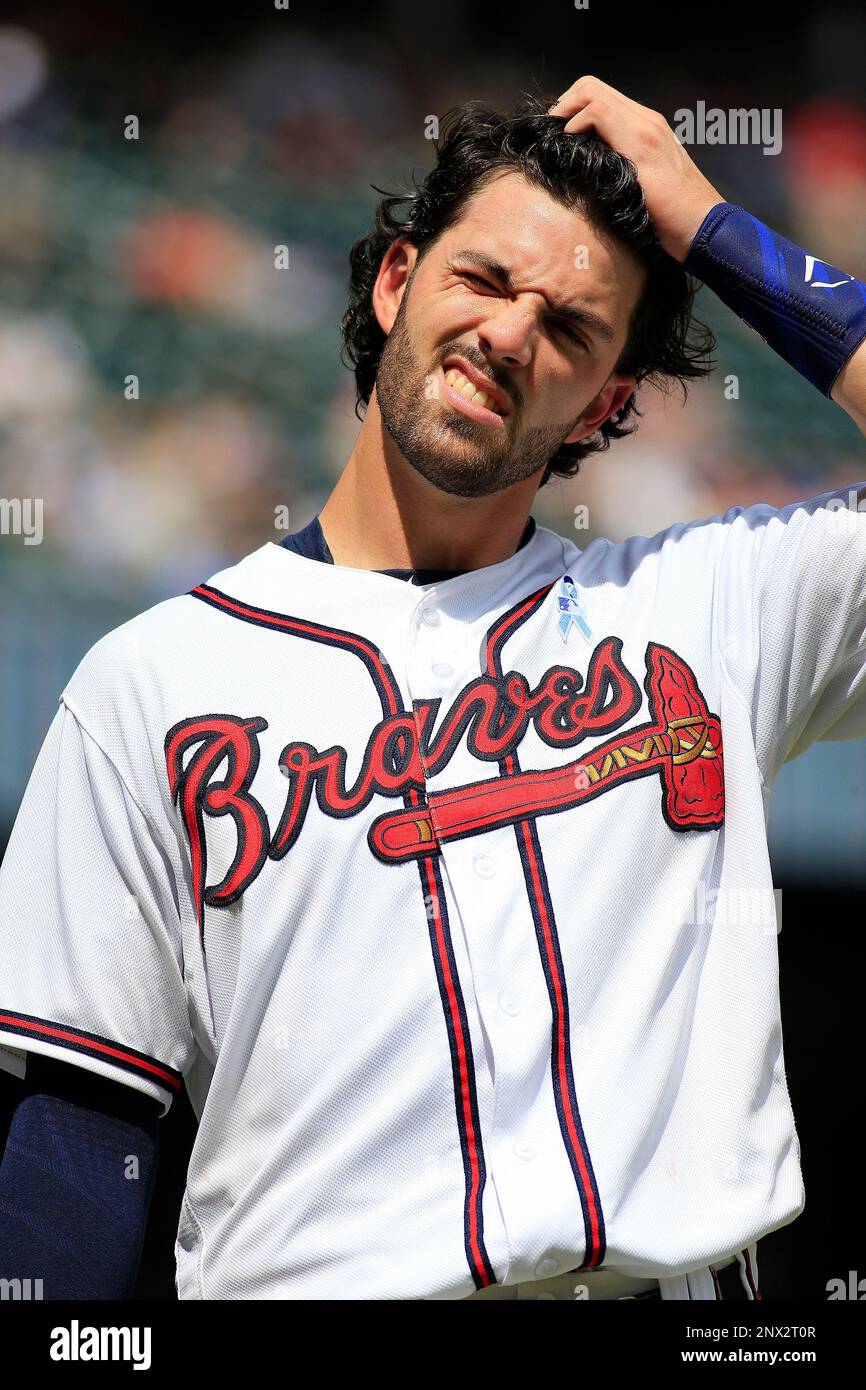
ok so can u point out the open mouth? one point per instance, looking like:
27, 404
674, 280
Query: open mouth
467, 396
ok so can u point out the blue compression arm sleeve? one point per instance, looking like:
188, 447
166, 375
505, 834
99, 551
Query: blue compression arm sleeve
69, 1213
810, 313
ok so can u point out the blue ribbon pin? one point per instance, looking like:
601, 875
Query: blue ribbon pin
572, 610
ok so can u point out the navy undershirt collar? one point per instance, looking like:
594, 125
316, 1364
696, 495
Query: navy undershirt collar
310, 542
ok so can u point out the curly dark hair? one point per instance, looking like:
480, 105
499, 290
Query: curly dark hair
666, 344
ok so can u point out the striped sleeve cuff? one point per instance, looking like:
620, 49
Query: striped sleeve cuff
22, 1033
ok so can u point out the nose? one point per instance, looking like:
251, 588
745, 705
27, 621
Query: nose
506, 336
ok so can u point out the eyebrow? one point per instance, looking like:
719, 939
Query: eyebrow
581, 318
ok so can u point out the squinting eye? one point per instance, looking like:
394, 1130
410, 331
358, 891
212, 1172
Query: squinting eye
562, 327
575, 337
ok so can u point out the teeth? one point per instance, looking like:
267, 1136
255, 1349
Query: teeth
467, 388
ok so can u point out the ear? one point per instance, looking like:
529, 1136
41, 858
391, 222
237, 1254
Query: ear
397, 265
611, 398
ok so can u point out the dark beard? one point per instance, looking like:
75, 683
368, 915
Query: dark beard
421, 428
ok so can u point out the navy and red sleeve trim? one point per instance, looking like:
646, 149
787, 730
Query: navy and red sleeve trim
127, 1059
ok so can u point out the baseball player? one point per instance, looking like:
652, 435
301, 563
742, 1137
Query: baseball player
426, 849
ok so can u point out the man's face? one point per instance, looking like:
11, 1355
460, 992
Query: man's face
554, 373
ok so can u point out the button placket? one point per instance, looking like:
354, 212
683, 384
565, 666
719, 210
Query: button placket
488, 906
524, 1151
484, 866
442, 670
435, 657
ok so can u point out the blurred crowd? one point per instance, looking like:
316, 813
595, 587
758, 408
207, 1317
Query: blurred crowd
168, 395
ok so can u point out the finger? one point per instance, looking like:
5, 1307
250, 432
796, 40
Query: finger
590, 88
584, 90
574, 97
597, 115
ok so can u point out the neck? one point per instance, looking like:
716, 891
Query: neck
382, 514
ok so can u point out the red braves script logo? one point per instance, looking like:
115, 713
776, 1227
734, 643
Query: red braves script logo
681, 742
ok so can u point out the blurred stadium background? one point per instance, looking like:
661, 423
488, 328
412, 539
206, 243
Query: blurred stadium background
155, 257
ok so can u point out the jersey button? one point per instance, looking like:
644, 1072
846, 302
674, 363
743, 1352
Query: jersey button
443, 670
510, 1004
430, 617
524, 1150
484, 866
546, 1267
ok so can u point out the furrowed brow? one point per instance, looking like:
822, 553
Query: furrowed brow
580, 318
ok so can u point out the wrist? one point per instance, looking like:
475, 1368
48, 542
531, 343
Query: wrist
679, 242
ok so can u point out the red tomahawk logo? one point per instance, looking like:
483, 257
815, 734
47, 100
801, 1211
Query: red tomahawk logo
682, 741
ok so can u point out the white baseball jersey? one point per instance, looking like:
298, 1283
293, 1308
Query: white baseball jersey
451, 905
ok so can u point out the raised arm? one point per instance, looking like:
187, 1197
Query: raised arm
811, 313
849, 389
